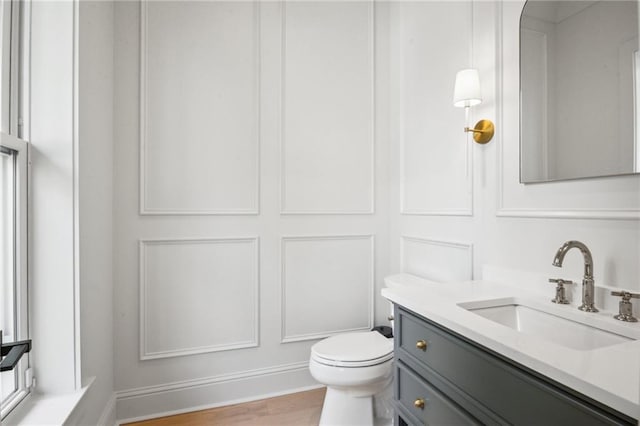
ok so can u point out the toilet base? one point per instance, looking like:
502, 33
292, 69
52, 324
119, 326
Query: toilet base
344, 408
341, 408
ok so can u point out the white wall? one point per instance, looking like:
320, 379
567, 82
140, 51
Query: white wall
313, 163
510, 225
95, 209
250, 194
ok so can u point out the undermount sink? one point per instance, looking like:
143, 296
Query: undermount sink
545, 322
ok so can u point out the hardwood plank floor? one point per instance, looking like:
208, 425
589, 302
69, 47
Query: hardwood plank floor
297, 409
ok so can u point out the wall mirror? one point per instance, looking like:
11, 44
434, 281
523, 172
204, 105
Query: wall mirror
579, 90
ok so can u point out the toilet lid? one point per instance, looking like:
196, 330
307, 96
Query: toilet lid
362, 348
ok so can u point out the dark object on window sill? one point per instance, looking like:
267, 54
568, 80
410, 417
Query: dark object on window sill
12, 352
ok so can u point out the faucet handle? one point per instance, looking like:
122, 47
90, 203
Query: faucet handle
560, 295
560, 281
625, 308
626, 296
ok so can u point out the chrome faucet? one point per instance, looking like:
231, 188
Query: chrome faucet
587, 280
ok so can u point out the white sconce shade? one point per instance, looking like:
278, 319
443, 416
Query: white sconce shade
466, 92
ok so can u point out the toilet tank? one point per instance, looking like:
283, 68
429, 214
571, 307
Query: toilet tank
403, 280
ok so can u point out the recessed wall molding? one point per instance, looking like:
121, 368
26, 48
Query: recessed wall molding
221, 165
435, 211
327, 285
435, 155
189, 288
576, 199
341, 138
437, 260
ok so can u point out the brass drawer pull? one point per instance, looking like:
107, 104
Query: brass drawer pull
422, 345
419, 403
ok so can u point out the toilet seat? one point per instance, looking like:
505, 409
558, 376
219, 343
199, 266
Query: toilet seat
360, 349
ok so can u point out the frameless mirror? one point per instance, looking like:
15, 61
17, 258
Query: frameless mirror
579, 89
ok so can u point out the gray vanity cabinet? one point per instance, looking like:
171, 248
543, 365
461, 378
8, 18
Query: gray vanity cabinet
442, 378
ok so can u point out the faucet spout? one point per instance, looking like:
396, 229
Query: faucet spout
587, 280
586, 253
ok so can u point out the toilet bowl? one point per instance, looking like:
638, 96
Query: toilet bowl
357, 370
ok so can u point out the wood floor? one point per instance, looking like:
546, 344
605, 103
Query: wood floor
298, 409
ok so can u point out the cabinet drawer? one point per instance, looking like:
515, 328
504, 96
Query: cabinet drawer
436, 409
514, 393
423, 342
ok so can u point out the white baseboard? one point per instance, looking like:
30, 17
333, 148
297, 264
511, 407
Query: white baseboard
108, 416
192, 395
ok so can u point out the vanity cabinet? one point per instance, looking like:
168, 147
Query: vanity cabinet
442, 378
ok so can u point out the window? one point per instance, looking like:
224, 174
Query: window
14, 322
13, 210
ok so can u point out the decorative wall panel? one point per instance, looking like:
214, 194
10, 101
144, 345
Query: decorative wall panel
435, 154
327, 285
257, 119
437, 260
199, 118
198, 296
327, 146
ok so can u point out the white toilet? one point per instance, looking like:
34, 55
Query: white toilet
357, 370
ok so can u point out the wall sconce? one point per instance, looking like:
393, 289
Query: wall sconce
466, 93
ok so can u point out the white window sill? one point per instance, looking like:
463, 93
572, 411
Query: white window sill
43, 409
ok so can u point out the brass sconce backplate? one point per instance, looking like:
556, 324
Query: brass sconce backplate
483, 131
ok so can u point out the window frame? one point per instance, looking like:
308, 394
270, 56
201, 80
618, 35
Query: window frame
21, 312
14, 96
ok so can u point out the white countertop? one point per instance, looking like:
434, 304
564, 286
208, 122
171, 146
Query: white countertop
610, 375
